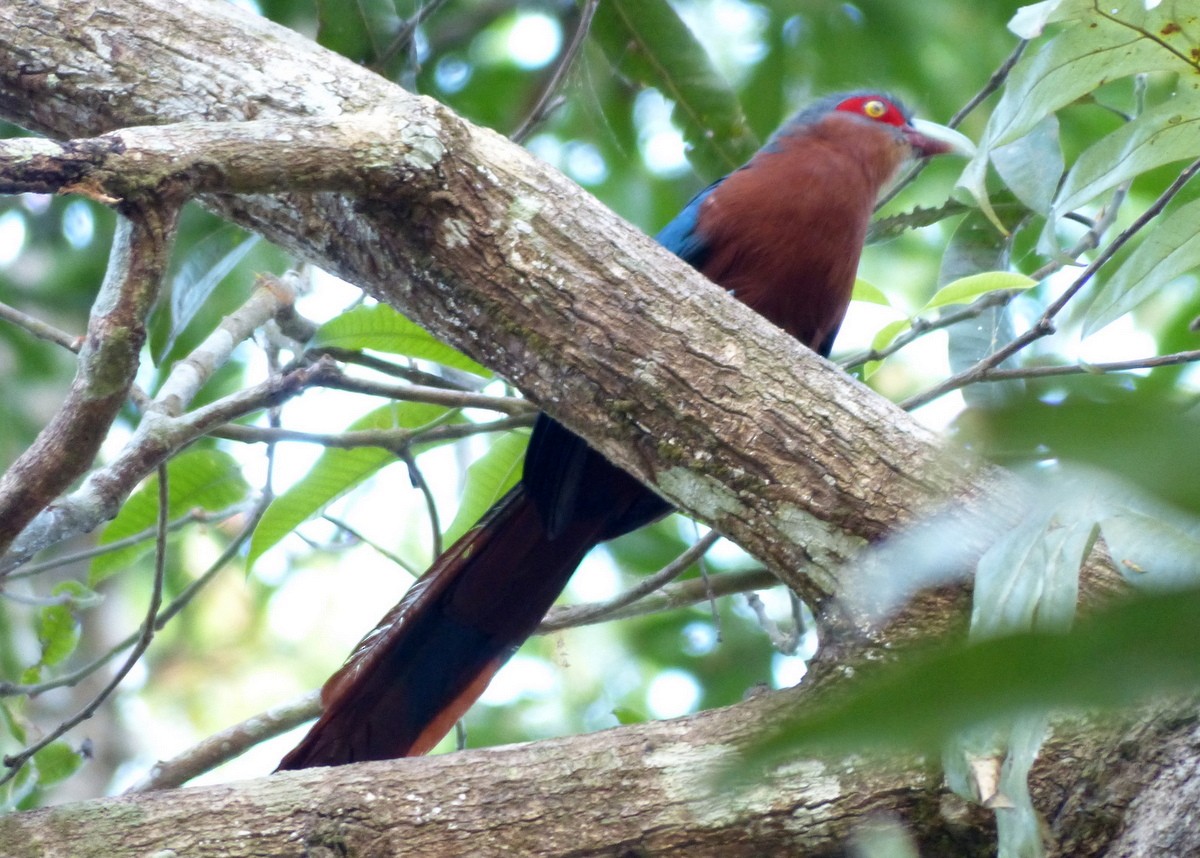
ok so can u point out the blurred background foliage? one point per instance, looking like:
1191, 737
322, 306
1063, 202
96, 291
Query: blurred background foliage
662, 98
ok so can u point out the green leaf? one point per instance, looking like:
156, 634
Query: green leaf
488, 479
1170, 249
1143, 647
1094, 51
1032, 165
1153, 545
864, 291
1165, 133
337, 472
58, 633
967, 289
56, 762
204, 478
1029, 578
206, 265
381, 328
882, 339
647, 41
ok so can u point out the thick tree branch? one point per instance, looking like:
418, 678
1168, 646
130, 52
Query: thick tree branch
814, 464
655, 366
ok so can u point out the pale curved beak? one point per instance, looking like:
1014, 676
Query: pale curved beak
928, 139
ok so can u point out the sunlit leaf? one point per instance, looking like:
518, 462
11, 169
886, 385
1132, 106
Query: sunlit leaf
335, 473
382, 329
967, 289
1096, 48
648, 42
198, 478
864, 291
488, 479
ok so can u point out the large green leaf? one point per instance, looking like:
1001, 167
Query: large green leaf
1029, 578
1094, 49
647, 41
488, 479
337, 472
381, 328
1142, 647
1165, 133
204, 478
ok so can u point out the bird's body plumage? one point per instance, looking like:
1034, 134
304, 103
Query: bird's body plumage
783, 234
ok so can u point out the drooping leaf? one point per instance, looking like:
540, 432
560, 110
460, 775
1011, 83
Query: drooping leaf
335, 473
647, 41
204, 478
1152, 545
488, 479
382, 329
56, 762
58, 633
1029, 579
1032, 165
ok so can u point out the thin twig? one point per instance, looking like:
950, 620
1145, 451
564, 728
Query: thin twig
229, 743
419, 482
546, 98
387, 367
432, 395
190, 517
388, 439
1092, 368
356, 534
165, 616
40, 329
17, 761
581, 615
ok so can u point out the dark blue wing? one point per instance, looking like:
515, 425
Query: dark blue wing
681, 235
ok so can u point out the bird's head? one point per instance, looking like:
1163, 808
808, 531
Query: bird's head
922, 139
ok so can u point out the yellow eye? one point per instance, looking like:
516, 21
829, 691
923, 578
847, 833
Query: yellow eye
875, 108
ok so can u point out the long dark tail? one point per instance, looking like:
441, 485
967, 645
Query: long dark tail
427, 661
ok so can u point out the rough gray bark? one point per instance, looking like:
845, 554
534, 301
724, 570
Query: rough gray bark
528, 274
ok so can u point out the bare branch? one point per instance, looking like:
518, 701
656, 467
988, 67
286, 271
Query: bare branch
108, 361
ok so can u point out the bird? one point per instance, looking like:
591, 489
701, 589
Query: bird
783, 234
